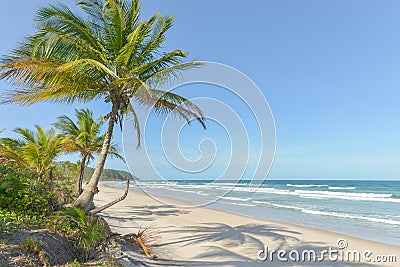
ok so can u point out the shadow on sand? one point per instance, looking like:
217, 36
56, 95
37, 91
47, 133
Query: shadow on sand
223, 242
227, 238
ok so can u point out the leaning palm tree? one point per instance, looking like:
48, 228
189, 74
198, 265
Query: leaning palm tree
108, 53
35, 150
84, 136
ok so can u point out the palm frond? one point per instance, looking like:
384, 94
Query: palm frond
130, 50
35, 150
156, 37
167, 60
169, 74
43, 80
94, 9
116, 24
132, 116
86, 65
163, 103
61, 17
178, 100
84, 135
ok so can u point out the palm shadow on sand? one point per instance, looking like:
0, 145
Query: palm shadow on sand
226, 238
223, 240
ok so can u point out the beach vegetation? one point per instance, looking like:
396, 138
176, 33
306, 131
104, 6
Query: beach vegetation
88, 233
23, 201
144, 237
85, 137
107, 53
33, 150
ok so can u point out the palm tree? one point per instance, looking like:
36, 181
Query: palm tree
85, 138
33, 150
109, 54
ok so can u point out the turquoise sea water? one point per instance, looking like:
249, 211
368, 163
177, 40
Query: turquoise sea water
366, 209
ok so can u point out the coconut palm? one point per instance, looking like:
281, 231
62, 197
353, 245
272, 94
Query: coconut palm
108, 53
84, 137
35, 150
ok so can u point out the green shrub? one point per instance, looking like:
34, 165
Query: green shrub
6, 222
87, 232
11, 219
17, 196
65, 191
30, 245
23, 200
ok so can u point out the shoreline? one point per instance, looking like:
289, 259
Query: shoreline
370, 220
209, 237
157, 197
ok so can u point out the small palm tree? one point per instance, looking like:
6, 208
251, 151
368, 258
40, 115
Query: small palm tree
109, 54
89, 232
84, 136
35, 150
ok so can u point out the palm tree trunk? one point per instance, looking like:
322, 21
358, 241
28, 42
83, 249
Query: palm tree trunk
80, 176
106, 206
51, 175
85, 200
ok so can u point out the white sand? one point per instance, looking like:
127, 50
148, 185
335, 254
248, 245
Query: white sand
207, 237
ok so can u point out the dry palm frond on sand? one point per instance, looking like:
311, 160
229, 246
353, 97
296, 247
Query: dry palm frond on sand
144, 238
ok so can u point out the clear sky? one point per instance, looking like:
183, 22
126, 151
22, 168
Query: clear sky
330, 71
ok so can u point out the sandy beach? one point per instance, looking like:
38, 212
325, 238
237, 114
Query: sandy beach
206, 237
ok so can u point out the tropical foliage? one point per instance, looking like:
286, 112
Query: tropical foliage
84, 137
23, 201
65, 170
105, 52
109, 53
88, 232
34, 150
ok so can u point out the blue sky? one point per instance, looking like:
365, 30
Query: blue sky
329, 70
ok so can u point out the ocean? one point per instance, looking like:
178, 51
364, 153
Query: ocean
365, 209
